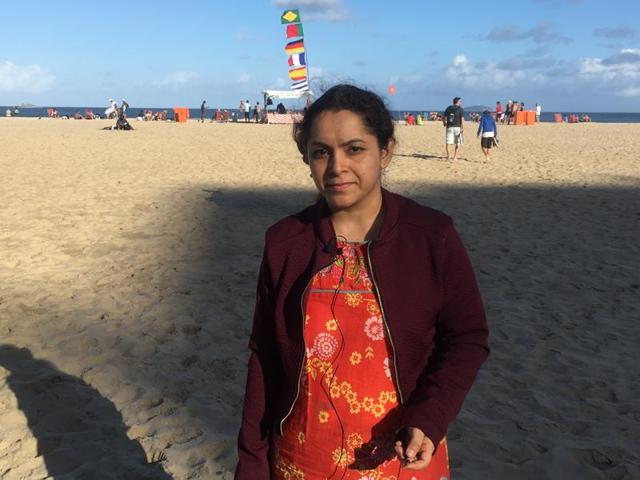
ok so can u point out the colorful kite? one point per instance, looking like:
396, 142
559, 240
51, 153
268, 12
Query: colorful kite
295, 30
295, 50
297, 60
300, 85
298, 73
290, 16
297, 46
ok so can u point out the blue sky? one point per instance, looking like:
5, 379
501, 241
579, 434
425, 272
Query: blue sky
571, 55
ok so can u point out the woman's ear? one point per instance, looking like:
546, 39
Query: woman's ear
387, 153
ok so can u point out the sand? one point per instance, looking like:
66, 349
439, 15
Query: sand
127, 273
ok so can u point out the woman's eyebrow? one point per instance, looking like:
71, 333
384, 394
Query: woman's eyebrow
318, 143
345, 143
353, 140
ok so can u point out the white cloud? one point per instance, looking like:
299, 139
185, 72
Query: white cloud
177, 78
30, 78
317, 71
630, 92
619, 72
327, 10
483, 75
322, 79
625, 64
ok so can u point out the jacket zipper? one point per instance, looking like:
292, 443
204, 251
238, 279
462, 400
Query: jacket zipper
304, 349
386, 325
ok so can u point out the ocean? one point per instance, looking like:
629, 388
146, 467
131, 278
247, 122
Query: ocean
600, 117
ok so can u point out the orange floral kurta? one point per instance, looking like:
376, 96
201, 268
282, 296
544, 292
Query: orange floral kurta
343, 422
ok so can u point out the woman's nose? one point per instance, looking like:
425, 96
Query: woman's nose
337, 161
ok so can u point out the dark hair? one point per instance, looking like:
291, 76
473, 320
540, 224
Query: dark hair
369, 106
456, 100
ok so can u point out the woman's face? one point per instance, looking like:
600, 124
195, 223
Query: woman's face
345, 160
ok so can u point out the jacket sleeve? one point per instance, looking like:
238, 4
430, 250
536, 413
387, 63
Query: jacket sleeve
255, 430
461, 346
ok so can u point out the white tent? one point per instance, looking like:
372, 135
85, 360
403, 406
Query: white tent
286, 94
293, 117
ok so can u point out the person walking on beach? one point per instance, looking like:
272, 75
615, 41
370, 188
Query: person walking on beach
488, 130
112, 110
538, 112
241, 109
369, 327
247, 110
499, 112
453, 120
509, 112
257, 110
202, 108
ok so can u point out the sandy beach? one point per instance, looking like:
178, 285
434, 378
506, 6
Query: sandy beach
128, 263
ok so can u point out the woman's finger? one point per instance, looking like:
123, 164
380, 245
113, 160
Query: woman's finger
417, 465
424, 456
399, 450
415, 445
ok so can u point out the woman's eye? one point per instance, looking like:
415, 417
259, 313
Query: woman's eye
355, 149
319, 152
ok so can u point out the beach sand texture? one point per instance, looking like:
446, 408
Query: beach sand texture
128, 264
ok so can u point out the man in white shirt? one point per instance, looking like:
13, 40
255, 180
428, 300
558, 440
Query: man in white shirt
538, 112
247, 110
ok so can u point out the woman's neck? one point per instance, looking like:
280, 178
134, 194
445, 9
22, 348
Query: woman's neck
358, 226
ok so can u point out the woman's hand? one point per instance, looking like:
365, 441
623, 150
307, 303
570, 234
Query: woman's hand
414, 449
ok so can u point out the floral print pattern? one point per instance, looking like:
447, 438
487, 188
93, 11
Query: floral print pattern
373, 328
344, 420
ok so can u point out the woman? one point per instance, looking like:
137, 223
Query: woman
369, 328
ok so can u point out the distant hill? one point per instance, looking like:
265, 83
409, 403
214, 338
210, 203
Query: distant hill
478, 108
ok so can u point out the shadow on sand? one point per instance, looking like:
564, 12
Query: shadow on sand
558, 284
555, 279
80, 433
423, 156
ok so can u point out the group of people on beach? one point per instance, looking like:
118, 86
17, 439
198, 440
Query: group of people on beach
453, 121
507, 115
148, 115
257, 111
12, 113
245, 113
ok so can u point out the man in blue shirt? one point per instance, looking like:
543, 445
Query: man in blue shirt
489, 130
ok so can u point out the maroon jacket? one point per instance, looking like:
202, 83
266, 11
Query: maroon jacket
431, 308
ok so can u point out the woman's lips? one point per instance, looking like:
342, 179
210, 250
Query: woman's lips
338, 187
